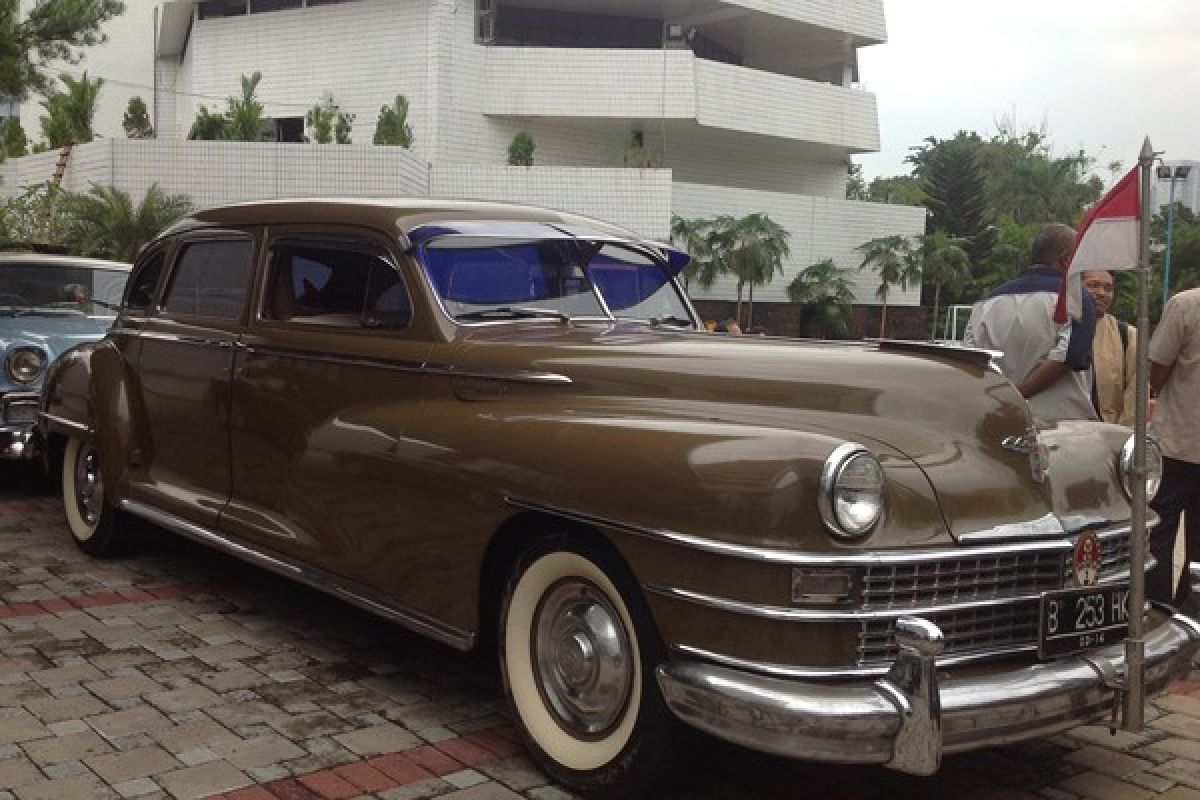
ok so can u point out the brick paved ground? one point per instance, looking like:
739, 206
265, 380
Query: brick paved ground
180, 673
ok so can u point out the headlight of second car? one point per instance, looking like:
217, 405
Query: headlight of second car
851, 495
1154, 468
25, 364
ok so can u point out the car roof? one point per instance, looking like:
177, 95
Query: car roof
389, 214
61, 261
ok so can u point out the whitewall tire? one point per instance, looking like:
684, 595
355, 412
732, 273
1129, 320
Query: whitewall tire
574, 642
90, 518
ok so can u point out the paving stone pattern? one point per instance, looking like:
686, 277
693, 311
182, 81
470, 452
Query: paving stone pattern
181, 673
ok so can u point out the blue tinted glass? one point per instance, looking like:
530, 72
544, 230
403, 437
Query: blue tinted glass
502, 274
623, 284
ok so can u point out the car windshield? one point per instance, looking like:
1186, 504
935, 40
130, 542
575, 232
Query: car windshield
482, 278
51, 289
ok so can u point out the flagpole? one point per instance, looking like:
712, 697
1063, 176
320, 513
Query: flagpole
1135, 646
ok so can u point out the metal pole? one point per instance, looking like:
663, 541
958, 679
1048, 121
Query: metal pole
1170, 235
1135, 646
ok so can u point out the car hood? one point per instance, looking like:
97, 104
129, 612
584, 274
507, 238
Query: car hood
55, 334
951, 416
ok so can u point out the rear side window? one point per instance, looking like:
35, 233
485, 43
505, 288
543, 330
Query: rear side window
335, 283
144, 282
210, 279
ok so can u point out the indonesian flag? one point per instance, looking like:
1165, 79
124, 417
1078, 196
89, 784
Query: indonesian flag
1108, 239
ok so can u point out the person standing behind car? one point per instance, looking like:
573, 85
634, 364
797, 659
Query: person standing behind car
1114, 354
1048, 362
1175, 379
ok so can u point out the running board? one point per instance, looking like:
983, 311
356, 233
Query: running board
351, 592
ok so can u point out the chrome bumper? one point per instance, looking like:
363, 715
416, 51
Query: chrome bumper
16, 442
907, 719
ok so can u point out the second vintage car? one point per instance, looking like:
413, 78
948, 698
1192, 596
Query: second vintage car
48, 304
504, 427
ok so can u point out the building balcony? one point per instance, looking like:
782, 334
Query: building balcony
675, 85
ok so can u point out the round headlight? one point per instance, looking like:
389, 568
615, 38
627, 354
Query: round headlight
1154, 467
851, 496
25, 364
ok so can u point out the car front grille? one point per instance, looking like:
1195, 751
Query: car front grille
18, 409
924, 586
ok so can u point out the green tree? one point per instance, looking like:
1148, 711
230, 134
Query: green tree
70, 113
209, 126
392, 128
245, 117
856, 186
342, 128
696, 237
944, 262
14, 144
520, 150
901, 190
893, 260
319, 120
752, 248
105, 222
52, 31
137, 120
34, 216
825, 298
956, 195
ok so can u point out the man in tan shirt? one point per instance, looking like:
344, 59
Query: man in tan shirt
1175, 378
1114, 354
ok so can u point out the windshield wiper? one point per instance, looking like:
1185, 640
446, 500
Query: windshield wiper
672, 320
514, 312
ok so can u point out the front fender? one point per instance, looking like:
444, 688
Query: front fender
87, 394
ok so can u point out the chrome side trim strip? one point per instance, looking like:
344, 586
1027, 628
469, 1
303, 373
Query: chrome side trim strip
63, 424
422, 367
796, 558
828, 615
341, 588
790, 671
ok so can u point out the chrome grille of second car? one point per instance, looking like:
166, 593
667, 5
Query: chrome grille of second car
959, 579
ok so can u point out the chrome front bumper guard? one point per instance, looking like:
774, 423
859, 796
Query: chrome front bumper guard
907, 719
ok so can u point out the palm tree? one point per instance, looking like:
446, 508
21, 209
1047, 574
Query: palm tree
752, 248
825, 297
695, 236
245, 116
893, 259
104, 221
944, 262
69, 114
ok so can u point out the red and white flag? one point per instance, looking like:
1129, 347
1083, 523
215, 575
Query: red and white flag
1107, 239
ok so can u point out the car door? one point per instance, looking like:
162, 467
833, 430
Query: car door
324, 389
185, 367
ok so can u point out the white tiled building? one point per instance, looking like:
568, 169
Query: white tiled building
738, 106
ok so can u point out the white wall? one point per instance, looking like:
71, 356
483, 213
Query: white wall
820, 227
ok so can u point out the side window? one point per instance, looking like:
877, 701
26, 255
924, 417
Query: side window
144, 282
210, 279
334, 283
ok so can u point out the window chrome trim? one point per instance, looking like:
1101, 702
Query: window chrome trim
423, 367
341, 588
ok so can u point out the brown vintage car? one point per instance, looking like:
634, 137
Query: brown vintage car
502, 426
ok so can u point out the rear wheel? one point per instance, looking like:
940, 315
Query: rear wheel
90, 518
578, 655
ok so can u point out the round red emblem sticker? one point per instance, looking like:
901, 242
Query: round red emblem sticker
1085, 567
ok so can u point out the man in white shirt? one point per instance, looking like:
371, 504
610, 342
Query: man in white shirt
1048, 362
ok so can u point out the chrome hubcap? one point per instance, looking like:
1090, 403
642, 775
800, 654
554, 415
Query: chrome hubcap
89, 486
584, 662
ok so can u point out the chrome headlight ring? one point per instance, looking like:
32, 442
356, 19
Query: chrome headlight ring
25, 364
851, 492
1154, 467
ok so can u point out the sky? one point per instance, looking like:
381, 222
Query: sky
1100, 75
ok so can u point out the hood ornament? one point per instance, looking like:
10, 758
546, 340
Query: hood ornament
1030, 444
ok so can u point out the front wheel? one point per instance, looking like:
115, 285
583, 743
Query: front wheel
578, 657
90, 518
